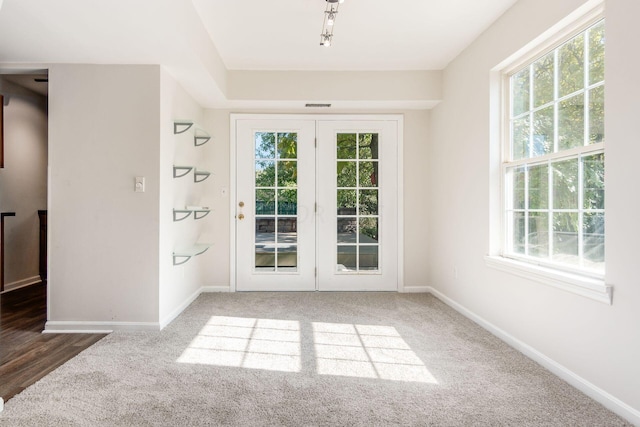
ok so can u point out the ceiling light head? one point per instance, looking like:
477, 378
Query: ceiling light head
325, 39
331, 17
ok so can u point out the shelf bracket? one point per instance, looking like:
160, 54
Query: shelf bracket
199, 176
181, 126
199, 214
180, 171
181, 214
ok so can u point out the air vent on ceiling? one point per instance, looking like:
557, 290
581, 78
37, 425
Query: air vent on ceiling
317, 105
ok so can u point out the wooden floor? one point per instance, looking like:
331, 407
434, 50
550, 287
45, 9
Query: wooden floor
26, 354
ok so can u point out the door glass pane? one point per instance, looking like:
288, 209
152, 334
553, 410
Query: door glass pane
368, 258
265, 258
346, 174
288, 202
368, 202
287, 257
347, 202
265, 145
265, 202
265, 173
368, 146
368, 230
287, 230
287, 145
347, 258
287, 174
347, 230
265, 230
346, 146
368, 174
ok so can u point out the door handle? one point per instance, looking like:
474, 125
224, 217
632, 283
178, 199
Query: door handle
240, 214
240, 217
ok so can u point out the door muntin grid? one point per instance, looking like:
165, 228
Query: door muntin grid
276, 202
357, 197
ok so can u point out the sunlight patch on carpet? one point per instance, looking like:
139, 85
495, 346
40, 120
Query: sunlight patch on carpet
267, 344
366, 351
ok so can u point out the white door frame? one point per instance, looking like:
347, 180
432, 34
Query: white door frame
233, 119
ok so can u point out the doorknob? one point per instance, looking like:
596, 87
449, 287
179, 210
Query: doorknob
240, 217
241, 204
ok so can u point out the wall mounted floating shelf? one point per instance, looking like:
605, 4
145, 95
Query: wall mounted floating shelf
181, 126
182, 256
200, 175
200, 136
198, 213
180, 171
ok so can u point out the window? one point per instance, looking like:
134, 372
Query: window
554, 157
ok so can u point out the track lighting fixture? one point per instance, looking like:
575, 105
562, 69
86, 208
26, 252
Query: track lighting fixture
329, 19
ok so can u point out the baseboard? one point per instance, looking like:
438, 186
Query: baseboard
22, 283
178, 310
607, 400
415, 289
76, 327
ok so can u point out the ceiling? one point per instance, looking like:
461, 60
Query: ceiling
368, 34
202, 42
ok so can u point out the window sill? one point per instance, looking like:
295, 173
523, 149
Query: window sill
595, 289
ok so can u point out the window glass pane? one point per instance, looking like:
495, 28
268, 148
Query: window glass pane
265, 173
287, 230
368, 230
347, 202
596, 115
565, 237
571, 122
265, 145
543, 80
346, 174
593, 229
571, 66
265, 202
368, 145
539, 187
346, 143
287, 174
368, 174
542, 132
538, 239
593, 173
347, 258
287, 145
518, 232
347, 229
520, 138
519, 188
565, 184
368, 257
288, 202
368, 202
596, 53
520, 92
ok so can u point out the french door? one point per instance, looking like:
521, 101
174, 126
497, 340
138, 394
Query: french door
316, 204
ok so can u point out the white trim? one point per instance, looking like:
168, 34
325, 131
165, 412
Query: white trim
81, 327
21, 283
415, 289
599, 395
400, 206
592, 288
233, 145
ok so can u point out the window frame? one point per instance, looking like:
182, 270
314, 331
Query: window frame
586, 282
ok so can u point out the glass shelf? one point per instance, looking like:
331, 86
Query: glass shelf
200, 175
180, 171
181, 126
184, 255
199, 212
200, 136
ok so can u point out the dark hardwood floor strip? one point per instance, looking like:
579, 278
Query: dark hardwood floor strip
26, 354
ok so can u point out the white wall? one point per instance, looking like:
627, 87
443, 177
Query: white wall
104, 129
180, 284
596, 342
23, 187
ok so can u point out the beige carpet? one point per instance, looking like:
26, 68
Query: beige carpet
306, 359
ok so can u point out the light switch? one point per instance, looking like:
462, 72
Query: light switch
139, 184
